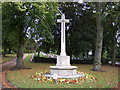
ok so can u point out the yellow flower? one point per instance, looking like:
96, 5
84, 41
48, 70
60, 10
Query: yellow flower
62, 80
48, 79
46, 71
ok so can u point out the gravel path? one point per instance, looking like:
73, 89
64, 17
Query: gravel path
5, 67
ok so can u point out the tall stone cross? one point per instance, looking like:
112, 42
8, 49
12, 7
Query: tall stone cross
63, 21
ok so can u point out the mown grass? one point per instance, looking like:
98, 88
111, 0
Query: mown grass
21, 78
7, 57
41, 55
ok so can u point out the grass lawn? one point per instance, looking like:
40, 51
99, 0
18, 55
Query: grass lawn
22, 78
7, 57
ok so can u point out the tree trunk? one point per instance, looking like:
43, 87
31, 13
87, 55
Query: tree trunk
93, 53
87, 54
114, 49
99, 40
102, 54
4, 53
38, 53
19, 61
83, 55
9, 51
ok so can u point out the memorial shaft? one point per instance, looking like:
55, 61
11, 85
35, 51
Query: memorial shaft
63, 46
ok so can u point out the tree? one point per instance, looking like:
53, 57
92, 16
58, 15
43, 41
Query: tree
114, 22
27, 19
8, 36
105, 13
111, 32
99, 38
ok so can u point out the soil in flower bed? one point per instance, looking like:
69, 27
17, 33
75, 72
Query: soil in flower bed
22, 78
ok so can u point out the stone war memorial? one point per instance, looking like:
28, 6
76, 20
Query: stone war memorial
63, 69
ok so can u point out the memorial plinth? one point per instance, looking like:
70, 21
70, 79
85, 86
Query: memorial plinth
63, 66
63, 61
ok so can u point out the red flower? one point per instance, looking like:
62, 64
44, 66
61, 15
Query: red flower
54, 79
73, 81
35, 76
66, 80
84, 77
95, 78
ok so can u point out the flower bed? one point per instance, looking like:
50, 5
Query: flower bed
40, 78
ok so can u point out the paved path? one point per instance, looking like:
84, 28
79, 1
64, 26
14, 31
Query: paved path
5, 67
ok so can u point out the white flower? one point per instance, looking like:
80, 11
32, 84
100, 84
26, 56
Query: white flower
38, 78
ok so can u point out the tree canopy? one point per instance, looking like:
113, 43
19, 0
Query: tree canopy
32, 26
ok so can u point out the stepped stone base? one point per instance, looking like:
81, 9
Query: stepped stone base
63, 70
65, 76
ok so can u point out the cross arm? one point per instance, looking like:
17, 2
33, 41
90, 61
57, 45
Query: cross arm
67, 20
64, 20
59, 20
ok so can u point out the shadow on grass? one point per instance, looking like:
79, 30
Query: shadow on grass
15, 68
